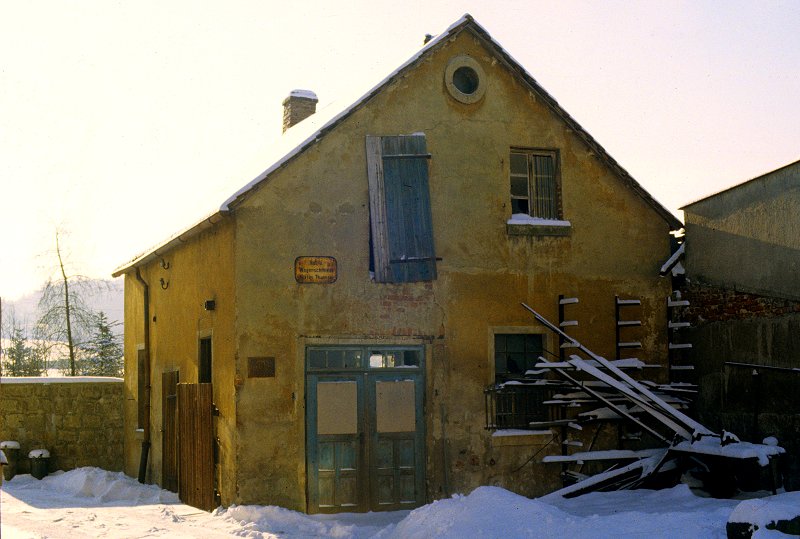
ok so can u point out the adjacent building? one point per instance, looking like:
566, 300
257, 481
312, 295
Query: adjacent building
742, 259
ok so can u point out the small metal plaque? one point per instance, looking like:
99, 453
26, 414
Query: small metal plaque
315, 269
261, 367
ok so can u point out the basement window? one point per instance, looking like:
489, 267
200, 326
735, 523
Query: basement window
401, 227
513, 402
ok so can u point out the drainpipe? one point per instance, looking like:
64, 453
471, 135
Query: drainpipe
146, 374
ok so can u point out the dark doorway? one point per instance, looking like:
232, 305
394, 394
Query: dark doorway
169, 409
204, 361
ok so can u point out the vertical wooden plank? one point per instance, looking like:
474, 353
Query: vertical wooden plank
195, 447
169, 443
377, 209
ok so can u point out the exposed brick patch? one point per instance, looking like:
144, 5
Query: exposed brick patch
399, 303
714, 304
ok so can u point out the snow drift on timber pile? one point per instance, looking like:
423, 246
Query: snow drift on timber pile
686, 442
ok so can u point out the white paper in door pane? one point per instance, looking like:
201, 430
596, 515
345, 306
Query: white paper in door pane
395, 406
337, 408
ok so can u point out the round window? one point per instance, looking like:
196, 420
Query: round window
465, 79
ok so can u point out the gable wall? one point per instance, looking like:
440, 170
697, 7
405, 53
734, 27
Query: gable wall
318, 205
200, 269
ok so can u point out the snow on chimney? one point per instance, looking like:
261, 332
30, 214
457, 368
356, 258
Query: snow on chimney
298, 106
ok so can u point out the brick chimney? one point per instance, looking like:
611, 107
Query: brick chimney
298, 106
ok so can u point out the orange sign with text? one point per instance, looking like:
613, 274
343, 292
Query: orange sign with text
315, 269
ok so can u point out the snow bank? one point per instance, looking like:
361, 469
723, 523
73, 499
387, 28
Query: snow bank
762, 511
90, 502
466, 516
278, 521
101, 486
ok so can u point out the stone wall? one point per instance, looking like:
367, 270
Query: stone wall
79, 421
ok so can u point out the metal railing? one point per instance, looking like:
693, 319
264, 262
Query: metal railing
516, 405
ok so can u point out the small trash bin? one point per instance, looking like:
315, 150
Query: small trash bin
11, 449
40, 459
3, 464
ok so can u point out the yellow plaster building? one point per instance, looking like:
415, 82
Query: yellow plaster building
345, 311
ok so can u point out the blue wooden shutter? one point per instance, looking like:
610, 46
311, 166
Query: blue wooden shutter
400, 209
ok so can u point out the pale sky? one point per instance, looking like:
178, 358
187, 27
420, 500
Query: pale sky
123, 123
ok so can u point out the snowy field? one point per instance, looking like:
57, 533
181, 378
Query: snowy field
90, 502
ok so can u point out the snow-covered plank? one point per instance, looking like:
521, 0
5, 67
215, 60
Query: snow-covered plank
621, 301
737, 450
628, 323
567, 301
554, 423
629, 344
625, 474
678, 303
593, 392
657, 409
611, 454
672, 260
568, 323
679, 325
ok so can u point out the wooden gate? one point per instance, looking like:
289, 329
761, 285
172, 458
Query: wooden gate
169, 440
195, 448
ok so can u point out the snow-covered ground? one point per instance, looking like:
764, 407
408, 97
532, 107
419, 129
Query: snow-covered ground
90, 502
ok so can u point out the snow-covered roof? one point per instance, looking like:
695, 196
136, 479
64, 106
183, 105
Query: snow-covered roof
306, 133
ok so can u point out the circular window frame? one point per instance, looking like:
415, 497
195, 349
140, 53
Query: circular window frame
454, 65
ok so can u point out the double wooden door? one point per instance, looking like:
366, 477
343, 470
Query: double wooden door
365, 429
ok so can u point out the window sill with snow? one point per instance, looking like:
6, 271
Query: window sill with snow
522, 224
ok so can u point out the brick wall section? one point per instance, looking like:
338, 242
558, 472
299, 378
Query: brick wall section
80, 423
714, 304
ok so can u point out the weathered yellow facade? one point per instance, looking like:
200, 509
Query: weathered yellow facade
317, 204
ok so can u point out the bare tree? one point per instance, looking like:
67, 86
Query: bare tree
64, 314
